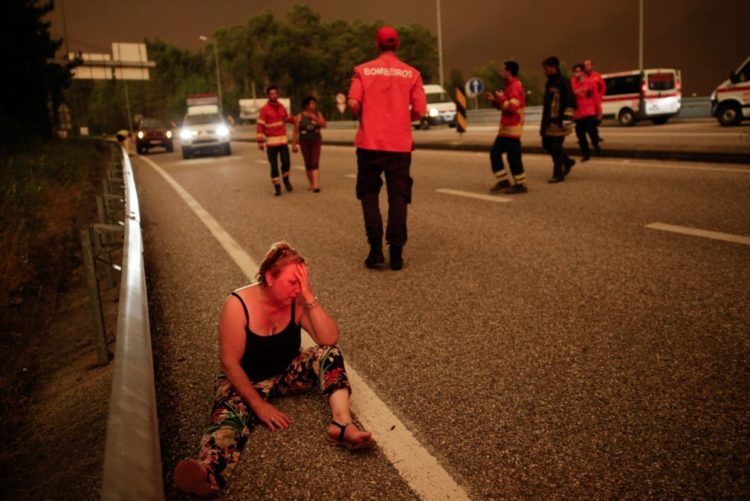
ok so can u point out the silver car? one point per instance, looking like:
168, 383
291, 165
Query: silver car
206, 131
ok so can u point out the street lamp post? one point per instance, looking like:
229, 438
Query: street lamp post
640, 35
218, 74
440, 44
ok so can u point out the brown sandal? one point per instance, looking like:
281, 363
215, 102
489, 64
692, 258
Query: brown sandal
193, 477
341, 442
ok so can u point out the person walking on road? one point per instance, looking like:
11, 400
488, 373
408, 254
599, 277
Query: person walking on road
600, 86
259, 347
307, 125
586, 112
271, 133
557, 118
511, 102
387, 95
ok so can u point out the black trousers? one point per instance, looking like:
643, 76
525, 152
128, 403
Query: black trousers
273, 153
510, 146
554, 146
587, 126
371, 164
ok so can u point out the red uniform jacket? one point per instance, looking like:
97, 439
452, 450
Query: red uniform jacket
586, 97
271, 124
389, 91
600, 87
511, 104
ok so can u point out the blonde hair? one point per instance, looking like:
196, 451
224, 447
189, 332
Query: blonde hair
279, 255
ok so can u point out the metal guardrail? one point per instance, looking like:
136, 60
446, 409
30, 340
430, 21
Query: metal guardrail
132, 456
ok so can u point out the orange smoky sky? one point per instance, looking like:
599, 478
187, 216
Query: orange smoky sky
705, 39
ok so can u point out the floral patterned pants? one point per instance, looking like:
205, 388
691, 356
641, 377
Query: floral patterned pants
232, 419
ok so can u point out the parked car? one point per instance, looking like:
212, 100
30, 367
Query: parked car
440, 108
654, 94
730, 101
153, 133
205, 132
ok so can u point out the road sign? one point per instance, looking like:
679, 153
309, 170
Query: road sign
341, 102
474, 87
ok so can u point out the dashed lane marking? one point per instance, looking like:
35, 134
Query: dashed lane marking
695, 232
671, 165
478, 196
415, 464
265, 162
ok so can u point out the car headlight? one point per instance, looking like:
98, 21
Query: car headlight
186, 133
434, 112
140, 134
222, 131
169, 134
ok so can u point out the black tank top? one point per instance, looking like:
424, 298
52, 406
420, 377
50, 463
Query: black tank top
267, 356
308, 130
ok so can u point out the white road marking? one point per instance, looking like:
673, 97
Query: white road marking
415, 464
478, 196
695, 232
353, 176
265, 162
671, 165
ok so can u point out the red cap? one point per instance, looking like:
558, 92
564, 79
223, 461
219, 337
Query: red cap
387, 36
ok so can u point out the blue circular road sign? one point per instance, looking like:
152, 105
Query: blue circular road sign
474, 87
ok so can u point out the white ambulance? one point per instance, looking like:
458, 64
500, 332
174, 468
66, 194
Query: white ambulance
655, 94
730, 101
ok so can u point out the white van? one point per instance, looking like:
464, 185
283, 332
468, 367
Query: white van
655, 94
730, 101
440, 108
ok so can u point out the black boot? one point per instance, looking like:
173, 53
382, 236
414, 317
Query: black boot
375, 259
277, 190
287, 183
397, 262
500, 185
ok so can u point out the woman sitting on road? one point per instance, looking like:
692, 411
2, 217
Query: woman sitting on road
307, 127
259, 346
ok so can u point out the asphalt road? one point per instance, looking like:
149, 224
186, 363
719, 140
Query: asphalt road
553, 345
702, 139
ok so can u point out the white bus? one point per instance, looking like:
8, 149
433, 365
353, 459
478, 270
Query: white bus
730, 101
655, 94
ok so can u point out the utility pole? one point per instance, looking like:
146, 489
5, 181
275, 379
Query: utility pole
218, 74
440, 44
640, 35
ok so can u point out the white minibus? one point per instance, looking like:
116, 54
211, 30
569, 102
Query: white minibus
655, 94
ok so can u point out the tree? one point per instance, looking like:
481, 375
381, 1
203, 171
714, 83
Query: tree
31, 86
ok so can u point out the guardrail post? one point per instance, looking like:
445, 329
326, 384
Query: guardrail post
95, 300
102, 240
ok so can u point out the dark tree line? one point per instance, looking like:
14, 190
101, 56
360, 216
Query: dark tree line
31, 87
300, 54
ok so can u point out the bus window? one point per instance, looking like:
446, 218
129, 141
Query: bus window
661, 81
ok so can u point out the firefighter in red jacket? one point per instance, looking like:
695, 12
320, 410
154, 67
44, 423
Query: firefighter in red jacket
600, 87
386, 94
511, 102
587, 111
272, 137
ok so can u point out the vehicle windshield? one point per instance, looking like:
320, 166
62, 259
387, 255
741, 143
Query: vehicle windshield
661, 81
152, 123
210, 118
438, 97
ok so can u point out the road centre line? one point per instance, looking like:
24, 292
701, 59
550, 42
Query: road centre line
681, 166
478, 196
265, 162
415, 464
695, 232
